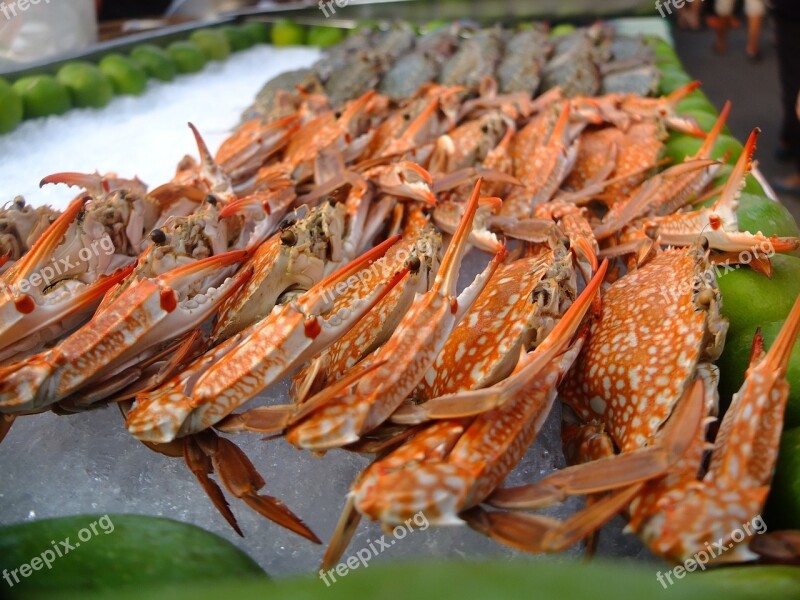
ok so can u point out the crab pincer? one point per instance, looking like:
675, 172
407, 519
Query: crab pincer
148, 313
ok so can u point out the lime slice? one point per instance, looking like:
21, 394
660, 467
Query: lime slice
187, 56
212, 42
11, 108
87, 84
125, 75
42, 95
155, 61
288, 33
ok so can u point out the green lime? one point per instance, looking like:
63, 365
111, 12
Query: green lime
324, 37
680, 145
756, 213
212, 42
736, 357
784, 495
118, 552
156, 62
11, 108
126, 76
42, 95
238, 37
433, 26
705, 120
751, 185
258, 31
87, 84
562, 30
436, 578
187, 56
672, 79
696, 102
288, 33
663, 51
366, 24
750, 299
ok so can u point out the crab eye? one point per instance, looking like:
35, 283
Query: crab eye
158, 236
485, 128
414, 263
705, 298
19, 202
211, 199
288, 237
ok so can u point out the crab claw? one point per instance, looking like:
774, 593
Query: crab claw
97, 185
212, 174
140, 319
408, 180
263, 212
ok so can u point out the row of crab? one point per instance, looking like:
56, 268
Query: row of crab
397, 62
311, 246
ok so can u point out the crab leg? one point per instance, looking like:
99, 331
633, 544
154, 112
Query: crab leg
669, 190
718, 223
206, 452
267, 351
452, 465
118, 335
332, 422
474, 402
677, 520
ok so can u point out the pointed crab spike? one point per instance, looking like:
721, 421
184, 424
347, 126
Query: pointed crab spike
447, 277
345, 528
683, 91
417, 124
736, 180
711, 139
215, 177
354, 108
44, 247
777, 358
561, 129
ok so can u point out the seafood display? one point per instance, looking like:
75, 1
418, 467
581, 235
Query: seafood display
322, 244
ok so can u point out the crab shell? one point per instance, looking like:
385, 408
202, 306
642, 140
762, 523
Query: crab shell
657, 324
